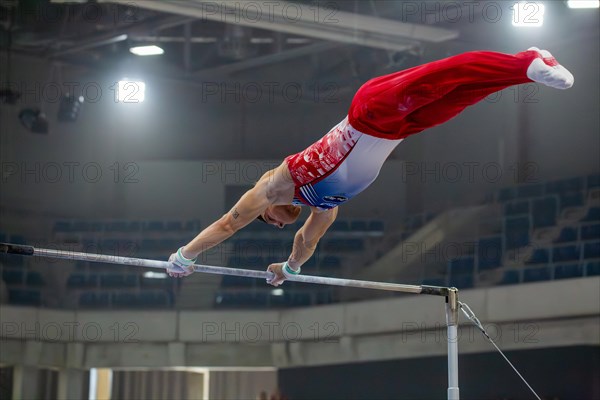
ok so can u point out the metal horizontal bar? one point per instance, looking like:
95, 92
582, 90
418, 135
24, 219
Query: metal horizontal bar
209, 269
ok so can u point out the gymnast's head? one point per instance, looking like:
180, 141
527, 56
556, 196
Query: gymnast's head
280, 215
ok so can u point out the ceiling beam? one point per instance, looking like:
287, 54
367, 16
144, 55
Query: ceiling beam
103, 38
267, 59
302, 19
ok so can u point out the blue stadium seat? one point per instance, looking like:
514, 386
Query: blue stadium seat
152, 283
539, 256
566, 253
544, 212
536, 274
102, 299
516, 208
591, 250
230, 281
528, 191
568, 271
13, 276
416, 222
593, 181
174, 226
25, 297
461, 281
590, 232
565, 186
511, 277
62, 226
12, 260
507, 194
118, 281
80, 280
34, 278
343, 245
376, 225
81, 226
461, 266
76, 280
516, 232
340, 226
330, 262
567, 234
153, 299
592, 268
154, 226
358, 225
149, 245
116, 226
325, 296
489, 253
572, 199
125, 299
300, 299
87, 299
593, 214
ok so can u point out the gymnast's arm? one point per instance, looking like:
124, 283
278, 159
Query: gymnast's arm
250, 205
305, 242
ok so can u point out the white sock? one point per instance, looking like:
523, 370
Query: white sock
555, 76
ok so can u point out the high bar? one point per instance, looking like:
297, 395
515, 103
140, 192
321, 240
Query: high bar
25, 250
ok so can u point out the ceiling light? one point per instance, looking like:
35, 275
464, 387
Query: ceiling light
277, 292
131, 91
528, 14
146, 50
583, 3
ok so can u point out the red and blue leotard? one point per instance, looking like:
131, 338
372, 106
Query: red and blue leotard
386, 110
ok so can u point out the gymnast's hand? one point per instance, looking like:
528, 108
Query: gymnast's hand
282, 271
180, 265
276, 269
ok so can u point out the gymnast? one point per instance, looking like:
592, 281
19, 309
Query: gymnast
345, 161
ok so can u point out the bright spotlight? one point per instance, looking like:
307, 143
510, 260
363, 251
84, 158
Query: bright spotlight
146, 50
583, 3
155, 275
277, 292
131, 91
529, 14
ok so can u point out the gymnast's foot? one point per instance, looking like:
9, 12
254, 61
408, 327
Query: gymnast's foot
546, 70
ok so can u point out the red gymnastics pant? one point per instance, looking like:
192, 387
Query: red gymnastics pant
407, 102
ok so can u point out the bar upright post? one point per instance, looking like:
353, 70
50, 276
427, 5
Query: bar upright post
452, 324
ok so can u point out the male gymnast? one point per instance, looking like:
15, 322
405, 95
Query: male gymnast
345, 161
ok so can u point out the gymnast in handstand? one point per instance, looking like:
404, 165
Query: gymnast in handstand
345, 161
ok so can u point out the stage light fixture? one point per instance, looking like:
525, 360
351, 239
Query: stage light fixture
34, 120
69, 108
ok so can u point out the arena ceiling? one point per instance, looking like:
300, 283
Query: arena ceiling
213, 37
